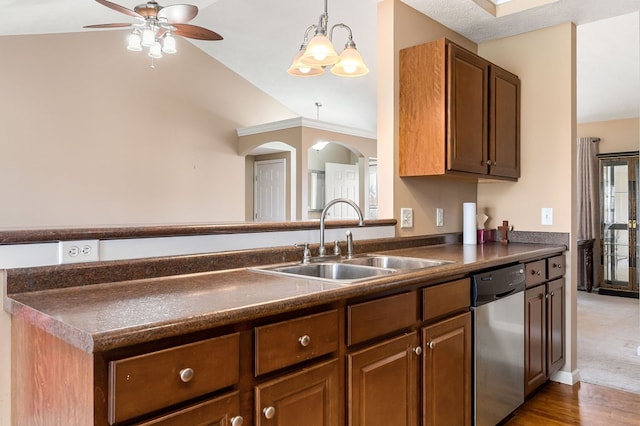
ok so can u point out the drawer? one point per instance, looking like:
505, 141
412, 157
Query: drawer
224, 410
381, 316
148, 382
448, 298
289, 342
535, 272
555, 267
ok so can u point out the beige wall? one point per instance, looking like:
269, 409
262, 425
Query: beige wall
422, 194
615, 135
90, 128
545, 62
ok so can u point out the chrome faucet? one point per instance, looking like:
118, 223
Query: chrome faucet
322, 251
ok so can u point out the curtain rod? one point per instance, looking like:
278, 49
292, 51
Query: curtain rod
595, 139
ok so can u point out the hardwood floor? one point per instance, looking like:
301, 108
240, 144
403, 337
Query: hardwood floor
581, 404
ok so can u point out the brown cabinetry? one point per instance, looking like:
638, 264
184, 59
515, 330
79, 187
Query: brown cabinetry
309, 396
544, 321
459, 114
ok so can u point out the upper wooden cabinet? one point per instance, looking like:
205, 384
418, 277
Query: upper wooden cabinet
459, 114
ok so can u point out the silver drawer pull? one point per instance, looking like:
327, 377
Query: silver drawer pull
431, 344
237, 421
417, 350
186, 374
304, 340
269, 412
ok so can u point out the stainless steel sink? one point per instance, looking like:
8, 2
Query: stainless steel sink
395, 262
332, 271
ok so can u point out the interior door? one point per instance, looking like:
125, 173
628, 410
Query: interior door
342, 181
269, 203
618, 199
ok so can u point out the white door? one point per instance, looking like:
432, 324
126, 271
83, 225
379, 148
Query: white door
269, 198
342, 181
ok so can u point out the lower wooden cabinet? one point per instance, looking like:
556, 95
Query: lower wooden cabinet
307, 397
447, 372
382, 383
544, 332
221, 411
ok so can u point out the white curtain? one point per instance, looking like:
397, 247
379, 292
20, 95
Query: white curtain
587, 184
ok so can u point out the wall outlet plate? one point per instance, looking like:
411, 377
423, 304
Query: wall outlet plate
406, 217
78, 251
546, 216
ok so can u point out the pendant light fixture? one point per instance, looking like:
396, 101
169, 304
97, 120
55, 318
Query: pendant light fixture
318, 53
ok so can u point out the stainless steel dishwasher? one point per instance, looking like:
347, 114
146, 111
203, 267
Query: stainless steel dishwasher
497, 300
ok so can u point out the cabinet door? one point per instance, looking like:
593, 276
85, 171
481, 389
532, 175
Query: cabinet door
447, 372
308, 397
504, 123
535, 350
221, 411
383, 383
556, 324
467, 94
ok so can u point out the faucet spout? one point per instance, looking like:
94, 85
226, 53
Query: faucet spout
322, 251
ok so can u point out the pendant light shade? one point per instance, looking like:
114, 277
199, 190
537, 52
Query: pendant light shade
319, 52
299, 69
350, 64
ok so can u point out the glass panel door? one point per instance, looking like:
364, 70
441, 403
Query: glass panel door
618, 191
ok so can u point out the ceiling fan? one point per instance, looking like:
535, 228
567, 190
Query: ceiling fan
158, 24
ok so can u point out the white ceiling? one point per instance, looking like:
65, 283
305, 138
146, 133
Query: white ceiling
270, 32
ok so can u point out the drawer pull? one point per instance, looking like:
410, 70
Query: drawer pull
417, 350
431, 344
237, 421
269, 412
186, 375
557, 265
304, 340
534, 272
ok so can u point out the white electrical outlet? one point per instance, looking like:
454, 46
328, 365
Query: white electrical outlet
439, 216
546, 216
406, 217
78, 251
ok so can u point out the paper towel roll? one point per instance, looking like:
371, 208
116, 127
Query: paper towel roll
469, 223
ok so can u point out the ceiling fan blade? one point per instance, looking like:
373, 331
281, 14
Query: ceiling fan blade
179, 13
116, 25
193, 31
118, 8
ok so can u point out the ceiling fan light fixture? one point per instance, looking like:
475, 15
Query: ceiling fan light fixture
350, 64
148, 37
169, 44
155, 51
134, 42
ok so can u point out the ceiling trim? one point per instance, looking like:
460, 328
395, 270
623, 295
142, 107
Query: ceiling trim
304, 122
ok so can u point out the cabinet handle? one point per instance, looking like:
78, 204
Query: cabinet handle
534, 272
553, 293
431, 344
186, 374
304, 340
269, 412
237, 421
417, 350
557, 265
546, 296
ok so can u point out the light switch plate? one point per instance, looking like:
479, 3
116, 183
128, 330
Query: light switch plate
406, 217
439, 216
546, 216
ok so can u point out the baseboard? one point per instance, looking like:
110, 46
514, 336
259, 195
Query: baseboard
619, 293
567, 377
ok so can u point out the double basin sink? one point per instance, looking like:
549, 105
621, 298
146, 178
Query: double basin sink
354, 269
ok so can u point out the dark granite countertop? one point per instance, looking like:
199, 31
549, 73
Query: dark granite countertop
107, 316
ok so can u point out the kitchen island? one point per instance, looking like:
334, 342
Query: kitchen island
88, 335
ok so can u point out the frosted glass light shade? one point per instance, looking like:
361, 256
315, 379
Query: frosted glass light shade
148, 38
319, 52
134, 42
299, 69
155, 51
169, 44
350, 64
